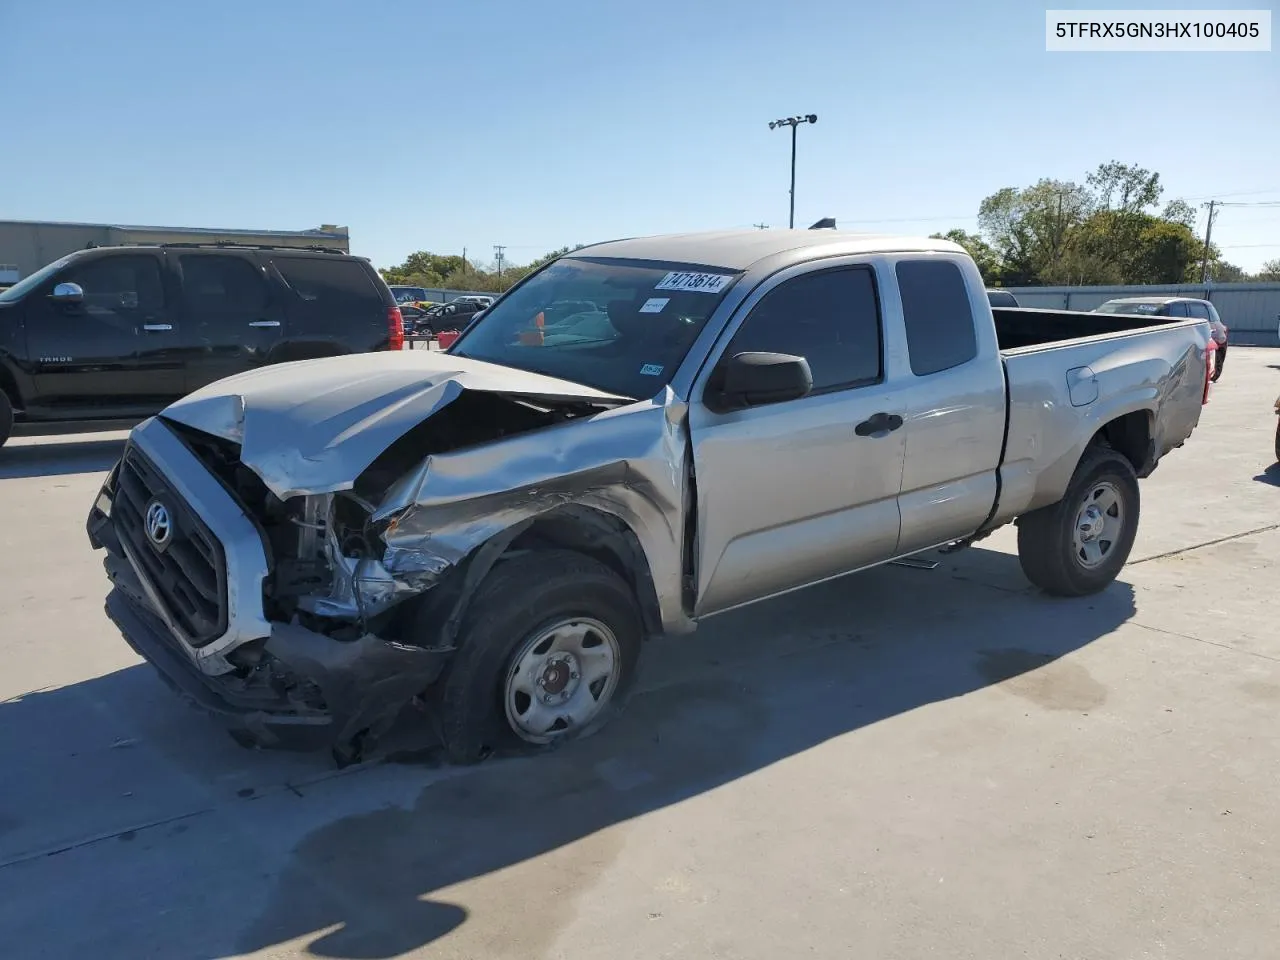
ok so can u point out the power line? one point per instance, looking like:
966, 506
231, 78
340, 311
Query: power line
761, 226
1238, 193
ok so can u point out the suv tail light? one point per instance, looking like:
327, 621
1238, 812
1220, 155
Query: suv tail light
1210, 361
395, 329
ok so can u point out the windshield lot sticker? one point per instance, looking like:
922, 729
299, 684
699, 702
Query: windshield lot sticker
694, 282
654, 305
651, 370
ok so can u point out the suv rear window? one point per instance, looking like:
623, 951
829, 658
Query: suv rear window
330, 283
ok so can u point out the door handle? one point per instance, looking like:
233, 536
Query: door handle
879, 424
264, 323
157, 327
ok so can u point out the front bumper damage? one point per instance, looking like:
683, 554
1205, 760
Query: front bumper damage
272, 684
307, 690
326, 542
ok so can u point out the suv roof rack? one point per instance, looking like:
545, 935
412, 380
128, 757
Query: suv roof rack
235, 245
223, 245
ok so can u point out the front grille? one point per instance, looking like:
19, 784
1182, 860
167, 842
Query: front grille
188, 572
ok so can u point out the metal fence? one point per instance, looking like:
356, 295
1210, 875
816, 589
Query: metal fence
1250, 310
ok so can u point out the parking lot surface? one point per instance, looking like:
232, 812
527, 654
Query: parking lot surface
903, 764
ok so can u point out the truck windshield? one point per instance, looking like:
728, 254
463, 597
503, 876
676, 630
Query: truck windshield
621, 326
21, 288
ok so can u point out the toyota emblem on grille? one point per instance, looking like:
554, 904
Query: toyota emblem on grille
158, 523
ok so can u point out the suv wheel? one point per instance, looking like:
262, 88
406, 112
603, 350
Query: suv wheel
1078, 545
6, 418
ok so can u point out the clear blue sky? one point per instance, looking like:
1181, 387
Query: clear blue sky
440, 126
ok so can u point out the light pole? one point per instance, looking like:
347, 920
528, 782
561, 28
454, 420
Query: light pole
793, 122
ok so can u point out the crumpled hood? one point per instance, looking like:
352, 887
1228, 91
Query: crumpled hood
313, 426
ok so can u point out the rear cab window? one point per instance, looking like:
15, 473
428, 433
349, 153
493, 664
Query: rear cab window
938, 315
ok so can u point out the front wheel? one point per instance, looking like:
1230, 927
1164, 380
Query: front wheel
1278, 440
547, 654
1078, 545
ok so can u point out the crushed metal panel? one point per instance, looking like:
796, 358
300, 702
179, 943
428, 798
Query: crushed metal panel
313, 426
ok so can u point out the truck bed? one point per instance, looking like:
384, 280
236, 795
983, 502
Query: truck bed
1062, 368
1018, 327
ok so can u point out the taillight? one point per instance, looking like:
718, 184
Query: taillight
395, 329
1210, 361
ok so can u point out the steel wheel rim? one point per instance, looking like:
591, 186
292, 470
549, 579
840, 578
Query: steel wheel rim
1099, 525
561, 679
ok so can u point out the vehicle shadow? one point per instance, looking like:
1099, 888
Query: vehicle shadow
1270, 475
495, 856
27, 460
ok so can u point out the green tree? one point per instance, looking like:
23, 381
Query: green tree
1270, 271
984, 256
1124, 187
1029, 227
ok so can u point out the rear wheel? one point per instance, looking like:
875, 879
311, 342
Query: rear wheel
6, 418
1278, 440
1078, 545
547, 654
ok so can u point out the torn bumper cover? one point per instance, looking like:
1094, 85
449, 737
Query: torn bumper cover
306, 691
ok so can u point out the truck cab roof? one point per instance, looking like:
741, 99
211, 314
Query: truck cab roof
741, 249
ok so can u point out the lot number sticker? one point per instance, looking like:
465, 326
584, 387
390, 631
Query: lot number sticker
654, 305
651, 370
694, 282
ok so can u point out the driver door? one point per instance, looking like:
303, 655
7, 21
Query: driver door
799, 495
116, 348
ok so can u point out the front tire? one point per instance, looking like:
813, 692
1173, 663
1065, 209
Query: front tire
1078, 545
547, 653
1278, 440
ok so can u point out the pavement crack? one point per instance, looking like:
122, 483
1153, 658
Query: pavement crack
98, 838
1207, 543
1212, 643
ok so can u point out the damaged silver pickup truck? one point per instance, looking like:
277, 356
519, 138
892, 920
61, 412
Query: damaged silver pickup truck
640, 435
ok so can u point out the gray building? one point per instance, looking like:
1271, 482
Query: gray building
1250, 310
27, 245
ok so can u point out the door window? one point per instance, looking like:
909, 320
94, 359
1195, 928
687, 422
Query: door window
1198, 310
1173, 310
830, 317
937, 314
217, 286
120, 291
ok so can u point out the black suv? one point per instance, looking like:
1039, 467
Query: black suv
453, 315
117, 333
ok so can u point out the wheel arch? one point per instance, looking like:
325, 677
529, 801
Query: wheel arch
605, 538
1130, 435
582, 529
290, 351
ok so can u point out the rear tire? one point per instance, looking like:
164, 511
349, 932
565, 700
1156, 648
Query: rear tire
1278, 440
483, 699
6, 418
1078, 545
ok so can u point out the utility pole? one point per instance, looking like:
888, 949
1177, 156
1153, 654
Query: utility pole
498, 250
1208, 233
761, 226
793, 123
464, 261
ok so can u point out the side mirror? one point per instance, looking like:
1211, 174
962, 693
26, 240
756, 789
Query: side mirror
67, 293
756, 379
